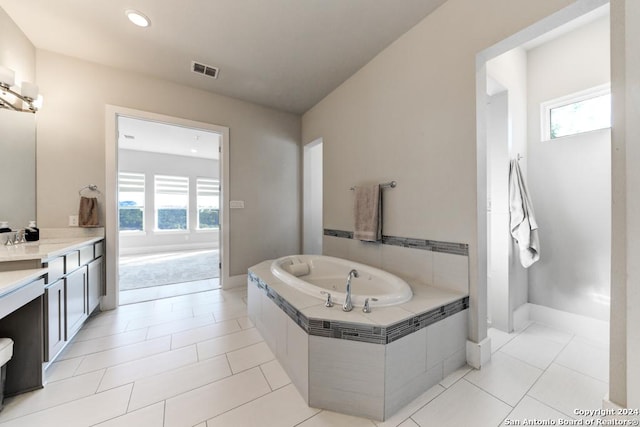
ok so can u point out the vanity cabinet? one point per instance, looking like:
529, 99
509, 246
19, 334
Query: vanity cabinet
76, 301
74, 286
54, 305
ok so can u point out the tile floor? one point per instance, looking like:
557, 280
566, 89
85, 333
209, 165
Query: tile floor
197, 361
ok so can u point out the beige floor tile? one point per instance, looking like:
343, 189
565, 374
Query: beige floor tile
530, 409
61, 370
245, 322
179, 326
463, 404
408, 423
130, 371
533, 349
159, 319
83, 348
456, 375
412, 407
204, 333
505, 377
334, 419
51, 395
566, 390
226, 343
585, 357
196, 406
286, 402
174, 382
275, 374
100, 331
151, 416
116, 356
83, 412
249, 357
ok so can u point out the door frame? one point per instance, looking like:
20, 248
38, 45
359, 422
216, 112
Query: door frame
111, 299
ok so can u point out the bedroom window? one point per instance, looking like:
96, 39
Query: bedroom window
580, 112
208, 192
171, 202
131, 201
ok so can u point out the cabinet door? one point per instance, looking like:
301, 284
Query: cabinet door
54, 318
76, 300
95, 285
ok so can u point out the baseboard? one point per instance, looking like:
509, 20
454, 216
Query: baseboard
165, 248
584, 326
479, 354
234, 282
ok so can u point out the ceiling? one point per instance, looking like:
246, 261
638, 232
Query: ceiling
285, 54
156, 137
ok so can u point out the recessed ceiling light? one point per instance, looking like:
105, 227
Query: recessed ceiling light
138, 18
193, 150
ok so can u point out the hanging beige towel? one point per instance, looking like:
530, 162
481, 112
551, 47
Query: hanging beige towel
88, 212
368, 213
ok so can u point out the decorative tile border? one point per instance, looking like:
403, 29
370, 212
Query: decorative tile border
358, 331
408, 242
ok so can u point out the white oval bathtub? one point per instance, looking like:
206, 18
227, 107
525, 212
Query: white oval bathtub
325, 273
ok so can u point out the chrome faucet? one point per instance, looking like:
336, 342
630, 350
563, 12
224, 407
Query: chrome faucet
348, 306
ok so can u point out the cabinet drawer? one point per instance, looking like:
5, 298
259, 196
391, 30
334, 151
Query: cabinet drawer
98, 249
86, 255
71, 261
56, 269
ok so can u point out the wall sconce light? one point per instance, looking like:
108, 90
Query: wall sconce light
28, 93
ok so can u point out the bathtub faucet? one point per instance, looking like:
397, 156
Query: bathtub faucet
348, 306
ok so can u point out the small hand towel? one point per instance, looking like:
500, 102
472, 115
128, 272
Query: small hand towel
524, 228
88, 212
368, 213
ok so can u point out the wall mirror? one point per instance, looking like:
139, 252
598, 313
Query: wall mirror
18, 168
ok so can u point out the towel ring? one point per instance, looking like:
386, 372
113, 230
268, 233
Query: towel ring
90, 187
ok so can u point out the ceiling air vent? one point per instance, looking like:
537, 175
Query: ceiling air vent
207, 70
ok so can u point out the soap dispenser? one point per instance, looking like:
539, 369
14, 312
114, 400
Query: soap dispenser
31, 233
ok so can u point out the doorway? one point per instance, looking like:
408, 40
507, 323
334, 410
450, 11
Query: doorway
166, 193
503, 105
312, 199
168, 210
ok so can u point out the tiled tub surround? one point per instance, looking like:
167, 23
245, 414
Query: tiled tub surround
364, 364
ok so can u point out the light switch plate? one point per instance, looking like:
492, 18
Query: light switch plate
236, 204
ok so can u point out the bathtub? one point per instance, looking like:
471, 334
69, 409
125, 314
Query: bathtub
328, 274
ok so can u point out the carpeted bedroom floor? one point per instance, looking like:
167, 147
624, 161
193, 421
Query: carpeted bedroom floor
143, 271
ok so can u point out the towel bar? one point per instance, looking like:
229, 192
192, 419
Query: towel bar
391, 184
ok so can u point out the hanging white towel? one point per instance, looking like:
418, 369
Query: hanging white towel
524, 228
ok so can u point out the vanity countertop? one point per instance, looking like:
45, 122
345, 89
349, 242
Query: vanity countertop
44, 249
13, 280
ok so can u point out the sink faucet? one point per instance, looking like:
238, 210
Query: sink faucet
348, 306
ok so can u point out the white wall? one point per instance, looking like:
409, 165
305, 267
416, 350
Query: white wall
163, 164
624, 373
570, 179
507, 283
264, 150
409, 116
312, 197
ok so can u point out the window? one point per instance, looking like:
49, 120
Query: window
171, 202
131, 201
208, 192
580, 112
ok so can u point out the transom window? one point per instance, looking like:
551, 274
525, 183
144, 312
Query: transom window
580, 112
